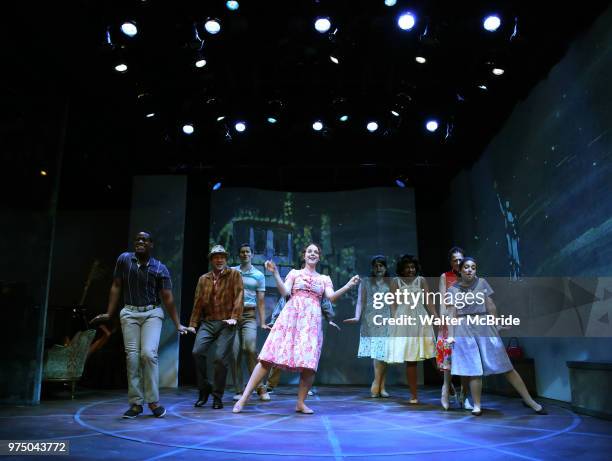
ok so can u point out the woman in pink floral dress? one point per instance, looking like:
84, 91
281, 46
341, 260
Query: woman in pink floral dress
295, 341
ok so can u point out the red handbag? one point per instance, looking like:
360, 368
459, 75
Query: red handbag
514, 350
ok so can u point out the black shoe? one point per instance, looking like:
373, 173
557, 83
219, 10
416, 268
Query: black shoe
159, 412
134, 411
203, 397
217, 404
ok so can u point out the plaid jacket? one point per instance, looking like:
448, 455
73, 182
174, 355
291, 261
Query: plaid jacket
218, 301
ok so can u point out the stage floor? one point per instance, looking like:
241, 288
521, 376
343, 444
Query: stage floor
347, 424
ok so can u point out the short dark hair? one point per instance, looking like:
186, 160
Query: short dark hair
454, 250
242, 245
467, 259
403, 261
150, 236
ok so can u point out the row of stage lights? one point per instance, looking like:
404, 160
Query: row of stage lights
405, 21
372, 126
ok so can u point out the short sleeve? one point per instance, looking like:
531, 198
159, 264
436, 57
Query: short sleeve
163, 278
291, 276
118, 272
327, 283
261, 282
486, 288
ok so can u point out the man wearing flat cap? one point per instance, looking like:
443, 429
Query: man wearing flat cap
218, 305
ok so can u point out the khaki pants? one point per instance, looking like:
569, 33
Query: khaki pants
245, 344
141, 331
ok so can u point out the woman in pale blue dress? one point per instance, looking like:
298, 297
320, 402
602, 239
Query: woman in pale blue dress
477, 348
372, 337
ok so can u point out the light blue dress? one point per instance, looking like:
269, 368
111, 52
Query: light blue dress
478, 350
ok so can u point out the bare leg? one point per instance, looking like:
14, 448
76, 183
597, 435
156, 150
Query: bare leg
517, 382
375, 387
463, 395
306, 380
383, 378
446, 386
411, 376
476, 391
258, 374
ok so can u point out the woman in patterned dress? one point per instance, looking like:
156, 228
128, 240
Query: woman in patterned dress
294, 343
372, 337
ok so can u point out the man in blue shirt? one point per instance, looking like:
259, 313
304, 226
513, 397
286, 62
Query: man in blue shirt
245, 341
145, 283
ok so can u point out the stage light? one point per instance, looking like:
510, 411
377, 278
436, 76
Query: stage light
201, 62
121, 68
322, 25
491, 23
240, 127
334, 59
43, 173
272, 120
390, 2
372, 127
129, 28
216, 186
420, 59
497, 71
317, 126
395, 113
400, 183
232, 5
212, 26
150, 115
483, 87
432, 125
220, 118
188, 128
344, 118
406, 21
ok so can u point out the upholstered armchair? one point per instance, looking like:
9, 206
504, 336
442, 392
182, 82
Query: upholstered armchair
66, 363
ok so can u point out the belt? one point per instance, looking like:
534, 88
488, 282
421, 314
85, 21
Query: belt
150, 307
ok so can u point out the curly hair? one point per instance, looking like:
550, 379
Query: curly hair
403, 261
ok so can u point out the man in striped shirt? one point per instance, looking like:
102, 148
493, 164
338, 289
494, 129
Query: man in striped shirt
145, 283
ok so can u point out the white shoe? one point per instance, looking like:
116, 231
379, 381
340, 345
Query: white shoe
310, 393
237, 397
264, 396
384, 394
466, 404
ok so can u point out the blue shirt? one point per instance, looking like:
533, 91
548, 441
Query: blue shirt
142, 284
253, 281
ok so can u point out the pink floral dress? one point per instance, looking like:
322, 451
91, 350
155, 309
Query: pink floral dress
295, 341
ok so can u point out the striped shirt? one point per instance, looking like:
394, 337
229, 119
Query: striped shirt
142, 283
253, 281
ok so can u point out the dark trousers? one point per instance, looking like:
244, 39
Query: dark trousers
209, 332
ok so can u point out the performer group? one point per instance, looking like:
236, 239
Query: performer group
224, 313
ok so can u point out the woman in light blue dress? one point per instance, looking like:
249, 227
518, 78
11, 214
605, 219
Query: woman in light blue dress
477, 348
